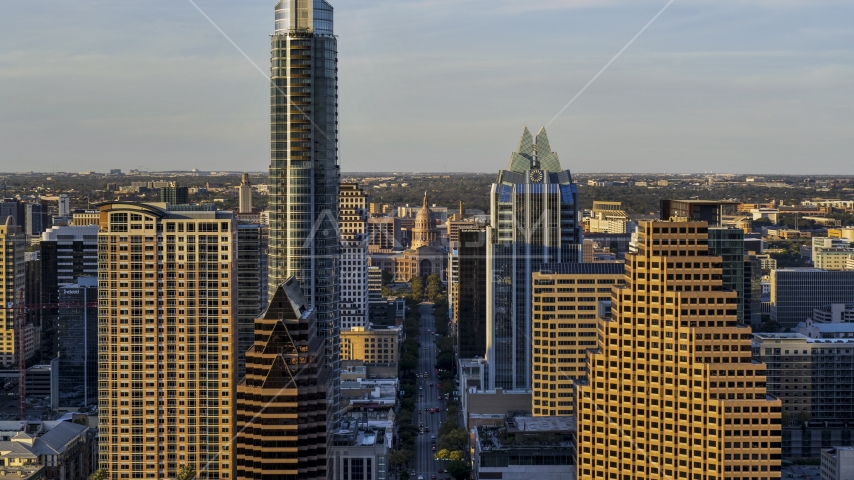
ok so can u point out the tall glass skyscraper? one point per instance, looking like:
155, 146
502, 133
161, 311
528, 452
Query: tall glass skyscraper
534, 210
304, 171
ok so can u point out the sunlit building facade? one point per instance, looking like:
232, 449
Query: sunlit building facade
673, 390
166, 340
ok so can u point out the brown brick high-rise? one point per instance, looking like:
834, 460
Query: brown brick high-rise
284, 401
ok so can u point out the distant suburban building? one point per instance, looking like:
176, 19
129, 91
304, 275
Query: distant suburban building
709, 211
244, 195
174, 195
608, 217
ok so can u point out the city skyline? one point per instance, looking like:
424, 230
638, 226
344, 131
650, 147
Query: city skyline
748, 87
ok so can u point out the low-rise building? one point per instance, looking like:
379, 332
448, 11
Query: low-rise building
523, 448
368, 386
359, 453
62, 453
370, 345
837, 463
835, 321
480, 406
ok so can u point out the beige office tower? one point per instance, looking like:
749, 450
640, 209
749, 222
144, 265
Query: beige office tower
244, 195
13, 244
353, 255
566, 299
285, 401
166, 314
672, 391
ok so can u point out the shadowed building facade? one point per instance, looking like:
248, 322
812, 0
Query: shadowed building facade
284, 401
534, 208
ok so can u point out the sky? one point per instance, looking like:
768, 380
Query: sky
740, 86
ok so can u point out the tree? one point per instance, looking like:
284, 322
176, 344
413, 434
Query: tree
447, 388
408, 362
187, 472
442, 455
445, 344
387, 277
456, 439
445, 361
432, 292
459, 469
416, 287
99, 474
449, 424
456, 455
400, 458
404, 475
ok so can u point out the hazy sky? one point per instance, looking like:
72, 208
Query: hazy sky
437, 85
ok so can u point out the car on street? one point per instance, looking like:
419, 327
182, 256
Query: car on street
434, 448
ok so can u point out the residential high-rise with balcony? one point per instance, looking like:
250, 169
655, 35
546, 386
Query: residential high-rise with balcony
353, 225
673, 390
13, 244
534, 209
304, 174
167, 340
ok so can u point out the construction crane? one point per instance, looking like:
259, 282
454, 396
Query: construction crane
20, 322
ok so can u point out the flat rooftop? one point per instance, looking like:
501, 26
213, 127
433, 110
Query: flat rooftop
541, 424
